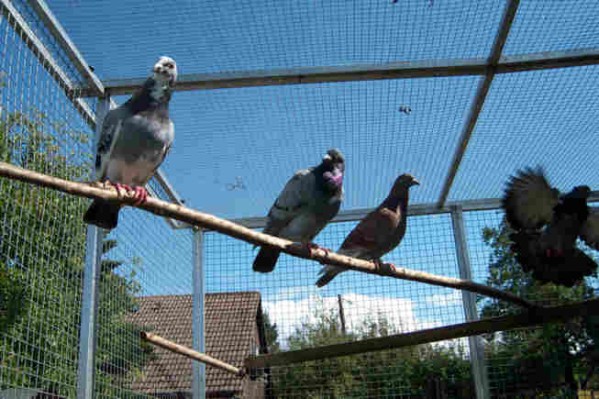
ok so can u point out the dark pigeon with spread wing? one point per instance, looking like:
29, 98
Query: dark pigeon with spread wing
379, 232
134, 141
309, 200
547, 225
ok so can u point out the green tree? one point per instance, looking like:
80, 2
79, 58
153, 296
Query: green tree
555, 359
271, 334
42, 248
415, 372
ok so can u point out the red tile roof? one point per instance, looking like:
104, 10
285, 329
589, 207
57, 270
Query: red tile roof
230, 320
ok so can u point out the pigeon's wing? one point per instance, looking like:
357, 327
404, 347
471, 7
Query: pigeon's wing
590, 229
111, 128
529, 199
291, 201
166, 151
373, 232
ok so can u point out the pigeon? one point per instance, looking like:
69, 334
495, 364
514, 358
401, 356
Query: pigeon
309, 200
379, 232
134, 140
546, 225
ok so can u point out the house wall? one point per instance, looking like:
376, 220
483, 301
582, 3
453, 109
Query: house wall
254, 389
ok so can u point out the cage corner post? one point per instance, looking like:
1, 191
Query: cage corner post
88, 336
475, 344
198, 332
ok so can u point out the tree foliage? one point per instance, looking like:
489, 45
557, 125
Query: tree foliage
555, 359
416, 372
42, 250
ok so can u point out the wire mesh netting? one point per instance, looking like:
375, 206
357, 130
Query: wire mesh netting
144, 260
353, 306
235, 149
217, 36
42, 239
42, 242
519, 361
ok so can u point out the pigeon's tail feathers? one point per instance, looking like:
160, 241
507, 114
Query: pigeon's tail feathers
327, 273
266, 260
104, 214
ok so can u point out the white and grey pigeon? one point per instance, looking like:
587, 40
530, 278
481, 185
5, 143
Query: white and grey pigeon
379, 232
309, 200
134, 141
547, 225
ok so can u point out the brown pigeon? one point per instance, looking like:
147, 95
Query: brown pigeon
309, 200
547, 225
379, 232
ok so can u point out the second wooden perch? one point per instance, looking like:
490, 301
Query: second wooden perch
190, 353
223, 226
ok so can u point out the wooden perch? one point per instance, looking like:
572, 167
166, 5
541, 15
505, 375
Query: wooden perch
525, 319
223, 226
190, 353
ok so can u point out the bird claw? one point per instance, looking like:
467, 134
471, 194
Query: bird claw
385, 268
313, 247
118, 187
141, 195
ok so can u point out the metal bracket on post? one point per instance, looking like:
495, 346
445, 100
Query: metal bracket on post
477, 353
199, 369
88, 336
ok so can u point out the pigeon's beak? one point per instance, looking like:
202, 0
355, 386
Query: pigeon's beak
415, 182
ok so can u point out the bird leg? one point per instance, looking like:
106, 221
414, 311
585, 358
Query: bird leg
312, 247
141, 195
118, 187
386, 268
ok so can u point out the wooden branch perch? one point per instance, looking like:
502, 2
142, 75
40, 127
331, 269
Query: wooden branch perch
223, 226
190, 353
504, 323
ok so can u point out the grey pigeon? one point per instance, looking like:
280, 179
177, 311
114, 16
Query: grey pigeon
309, 200
546, 225
134, 141
379, 232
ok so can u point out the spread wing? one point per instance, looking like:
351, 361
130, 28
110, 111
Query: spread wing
529, 199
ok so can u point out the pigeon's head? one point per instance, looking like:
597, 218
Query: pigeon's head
404, 182
334, 167
165, 70
580, 192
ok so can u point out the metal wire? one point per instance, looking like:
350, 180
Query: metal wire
371, 306
234, 151
517, 361
42, 241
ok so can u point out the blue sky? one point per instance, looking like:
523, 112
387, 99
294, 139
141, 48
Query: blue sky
260, 136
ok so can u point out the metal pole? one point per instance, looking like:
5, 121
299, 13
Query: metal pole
342, 315
199, 369
477, 353
89, 307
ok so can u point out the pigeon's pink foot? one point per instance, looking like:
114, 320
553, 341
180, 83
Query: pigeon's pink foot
141, 195
312, 247
119, 187
387, 268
